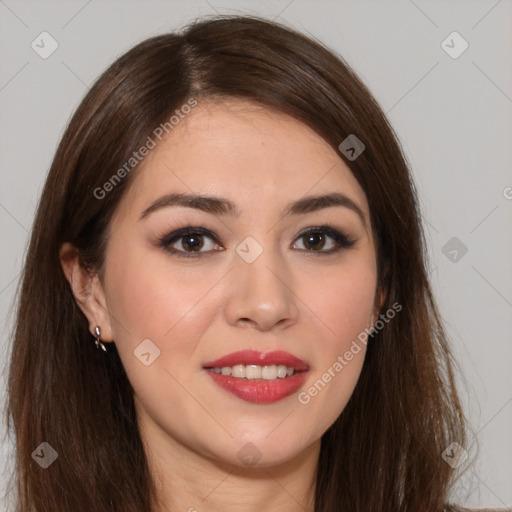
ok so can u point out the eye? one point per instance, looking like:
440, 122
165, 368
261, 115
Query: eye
317, 238
189, 242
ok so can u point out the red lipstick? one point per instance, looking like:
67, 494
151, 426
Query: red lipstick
259, 391
259, 358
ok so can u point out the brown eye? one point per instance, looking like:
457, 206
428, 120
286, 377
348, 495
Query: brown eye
317, 238
189, 242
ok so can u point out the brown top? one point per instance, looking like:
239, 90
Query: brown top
460, 509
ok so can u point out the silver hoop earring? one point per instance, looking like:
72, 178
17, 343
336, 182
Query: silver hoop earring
98, 341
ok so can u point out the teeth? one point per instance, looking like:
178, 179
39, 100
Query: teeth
238, 370
270, 372
255, 372
252, 372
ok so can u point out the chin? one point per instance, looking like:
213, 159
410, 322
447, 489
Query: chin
260, 451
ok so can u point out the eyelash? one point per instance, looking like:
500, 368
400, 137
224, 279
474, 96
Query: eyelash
343, 241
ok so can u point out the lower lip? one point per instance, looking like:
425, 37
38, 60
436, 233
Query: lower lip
259, 391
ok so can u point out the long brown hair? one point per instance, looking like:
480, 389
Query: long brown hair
383, 453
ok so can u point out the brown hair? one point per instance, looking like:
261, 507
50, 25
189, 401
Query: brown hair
383, 453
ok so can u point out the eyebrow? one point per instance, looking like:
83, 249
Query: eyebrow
221, 206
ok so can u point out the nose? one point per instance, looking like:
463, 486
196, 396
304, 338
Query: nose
260, 294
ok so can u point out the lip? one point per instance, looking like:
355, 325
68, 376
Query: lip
259, 391
259, 358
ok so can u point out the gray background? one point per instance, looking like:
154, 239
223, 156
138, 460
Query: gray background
453, 117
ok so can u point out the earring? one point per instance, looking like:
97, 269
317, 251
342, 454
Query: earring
98, 341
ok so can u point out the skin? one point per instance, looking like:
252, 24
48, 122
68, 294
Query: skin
194, 310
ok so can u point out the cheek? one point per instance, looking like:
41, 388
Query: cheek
343, 303
172, 307
344, 307
152, 298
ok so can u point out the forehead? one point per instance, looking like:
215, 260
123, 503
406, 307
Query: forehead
255, 156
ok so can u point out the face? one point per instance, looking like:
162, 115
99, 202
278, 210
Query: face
255, 281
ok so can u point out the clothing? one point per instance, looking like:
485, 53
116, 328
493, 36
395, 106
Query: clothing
460, 509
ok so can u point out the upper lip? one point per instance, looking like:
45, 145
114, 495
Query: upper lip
259, 358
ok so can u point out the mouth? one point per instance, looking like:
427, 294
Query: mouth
256, 377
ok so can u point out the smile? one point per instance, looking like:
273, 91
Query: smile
256, 377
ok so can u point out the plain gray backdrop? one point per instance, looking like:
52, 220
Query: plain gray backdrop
452, 112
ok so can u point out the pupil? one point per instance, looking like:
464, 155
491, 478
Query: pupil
318, 238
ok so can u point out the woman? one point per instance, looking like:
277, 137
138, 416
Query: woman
230, 220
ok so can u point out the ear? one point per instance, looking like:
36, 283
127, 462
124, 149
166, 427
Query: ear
380, 297
87, 290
